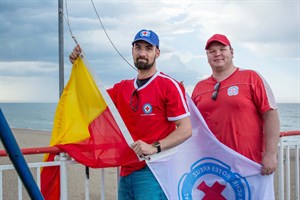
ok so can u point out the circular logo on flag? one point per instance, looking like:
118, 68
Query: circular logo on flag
233, 90
147, 108
210, 178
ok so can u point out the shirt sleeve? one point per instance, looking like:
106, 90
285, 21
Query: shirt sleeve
263, 94
176, 101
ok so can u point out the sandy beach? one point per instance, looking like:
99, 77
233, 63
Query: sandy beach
31, 138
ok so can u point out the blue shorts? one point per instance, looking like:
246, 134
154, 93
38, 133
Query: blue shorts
140, 185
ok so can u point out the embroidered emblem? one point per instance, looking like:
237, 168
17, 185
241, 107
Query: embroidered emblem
147, 108
233, 91
145, 34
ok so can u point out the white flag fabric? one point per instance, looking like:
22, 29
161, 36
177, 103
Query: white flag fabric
204, 168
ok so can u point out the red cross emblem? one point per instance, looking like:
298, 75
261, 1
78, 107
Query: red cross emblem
213, 192
147, 108
145, 33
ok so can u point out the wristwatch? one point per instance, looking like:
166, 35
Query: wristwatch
157, 145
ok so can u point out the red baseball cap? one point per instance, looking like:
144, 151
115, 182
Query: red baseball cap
217, 38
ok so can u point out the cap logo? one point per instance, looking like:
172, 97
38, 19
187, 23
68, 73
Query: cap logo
145, 33
147, 36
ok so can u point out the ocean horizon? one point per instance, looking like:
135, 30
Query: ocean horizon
40, 116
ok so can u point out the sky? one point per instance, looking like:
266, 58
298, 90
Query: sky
264, 35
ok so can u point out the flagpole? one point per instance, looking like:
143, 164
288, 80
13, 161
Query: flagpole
61, 46
63, 167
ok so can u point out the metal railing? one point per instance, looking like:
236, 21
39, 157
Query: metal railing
37, 166
287, 186
288, 153
65, 164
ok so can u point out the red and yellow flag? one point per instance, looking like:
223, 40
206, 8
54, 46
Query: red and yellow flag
85, 128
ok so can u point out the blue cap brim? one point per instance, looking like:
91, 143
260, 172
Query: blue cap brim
144, 39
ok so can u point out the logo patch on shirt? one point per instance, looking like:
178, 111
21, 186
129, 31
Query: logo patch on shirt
233, 91
147, 108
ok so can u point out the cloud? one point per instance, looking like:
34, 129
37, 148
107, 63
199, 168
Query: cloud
28, 81
264, 28
28, 89
263, 33
26, 29
29, 69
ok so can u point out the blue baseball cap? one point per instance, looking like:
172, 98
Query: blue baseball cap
147, 36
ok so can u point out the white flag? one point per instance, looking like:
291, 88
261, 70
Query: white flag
204, 168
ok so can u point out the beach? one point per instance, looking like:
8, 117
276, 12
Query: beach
32, 138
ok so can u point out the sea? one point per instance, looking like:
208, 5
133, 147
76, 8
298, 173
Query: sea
40, 116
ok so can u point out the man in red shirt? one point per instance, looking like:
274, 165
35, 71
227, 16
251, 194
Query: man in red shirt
154, 109
238, 106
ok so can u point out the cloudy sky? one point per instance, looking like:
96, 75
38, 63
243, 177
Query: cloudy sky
263, 33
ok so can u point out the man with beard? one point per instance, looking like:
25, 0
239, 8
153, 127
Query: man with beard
155, 112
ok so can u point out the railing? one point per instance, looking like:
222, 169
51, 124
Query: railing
65, 164
37, 166
287, 185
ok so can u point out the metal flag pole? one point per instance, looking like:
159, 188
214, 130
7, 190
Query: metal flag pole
13, 150
63, 166
61, 46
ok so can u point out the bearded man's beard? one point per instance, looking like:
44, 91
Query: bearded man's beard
143, 65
